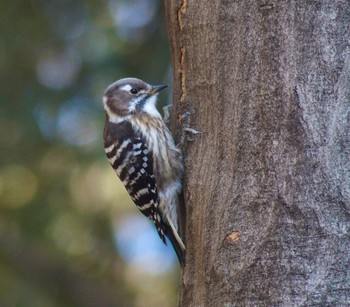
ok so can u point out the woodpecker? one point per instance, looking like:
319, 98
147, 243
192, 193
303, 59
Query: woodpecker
142, 152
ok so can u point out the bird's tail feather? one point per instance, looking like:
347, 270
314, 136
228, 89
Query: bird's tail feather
176, 242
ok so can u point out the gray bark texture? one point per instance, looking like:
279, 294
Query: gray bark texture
267, 188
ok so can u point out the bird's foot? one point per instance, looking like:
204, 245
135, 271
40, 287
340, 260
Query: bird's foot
193, 132
186, 130
166, 114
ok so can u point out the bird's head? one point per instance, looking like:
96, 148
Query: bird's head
130, 96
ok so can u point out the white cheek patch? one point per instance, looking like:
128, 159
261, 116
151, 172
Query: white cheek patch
150, 106
135, 102
126, 87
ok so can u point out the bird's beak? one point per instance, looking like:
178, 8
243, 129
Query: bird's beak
156, 88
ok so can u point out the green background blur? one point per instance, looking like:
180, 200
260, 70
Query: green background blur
69, 234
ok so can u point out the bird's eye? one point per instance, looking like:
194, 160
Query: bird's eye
133, 91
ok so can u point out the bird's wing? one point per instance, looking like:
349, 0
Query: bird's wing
130, 158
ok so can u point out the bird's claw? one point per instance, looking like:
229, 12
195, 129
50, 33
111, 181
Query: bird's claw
166, 114
185, 118
193, 132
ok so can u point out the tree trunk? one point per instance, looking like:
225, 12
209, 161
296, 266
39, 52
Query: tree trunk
267, 188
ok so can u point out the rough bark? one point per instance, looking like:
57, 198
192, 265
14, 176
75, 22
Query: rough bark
267, 189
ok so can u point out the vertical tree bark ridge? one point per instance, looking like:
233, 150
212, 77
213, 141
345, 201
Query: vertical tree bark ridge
267, 189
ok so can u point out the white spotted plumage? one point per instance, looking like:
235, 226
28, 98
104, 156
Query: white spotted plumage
141, 150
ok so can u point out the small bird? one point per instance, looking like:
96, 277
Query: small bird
142, 152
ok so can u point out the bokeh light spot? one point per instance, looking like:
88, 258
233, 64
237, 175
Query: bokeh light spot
46, 119
76, 123
140, 245
57, 70
19, 186
94, 188
70, 236
134, 19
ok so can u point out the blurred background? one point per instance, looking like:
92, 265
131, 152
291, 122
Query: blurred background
69, 233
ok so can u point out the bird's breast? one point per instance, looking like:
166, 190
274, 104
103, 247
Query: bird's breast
161, 145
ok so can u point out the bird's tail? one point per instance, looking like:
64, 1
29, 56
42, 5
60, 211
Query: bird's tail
176, 242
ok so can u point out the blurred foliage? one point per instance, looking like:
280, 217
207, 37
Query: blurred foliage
68, 230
